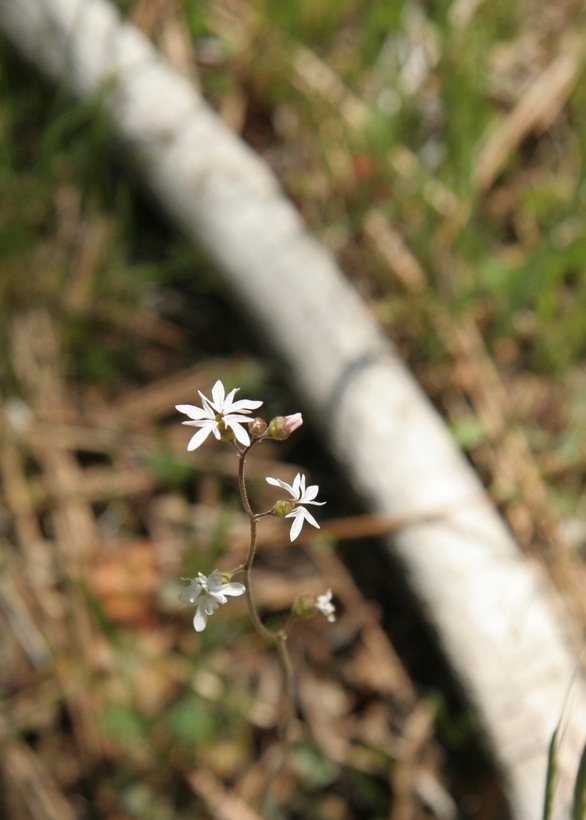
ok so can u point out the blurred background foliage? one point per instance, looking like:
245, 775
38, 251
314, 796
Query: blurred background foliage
437, 150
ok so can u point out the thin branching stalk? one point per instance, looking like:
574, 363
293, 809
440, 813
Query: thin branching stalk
266, 633
223, 416
277, 637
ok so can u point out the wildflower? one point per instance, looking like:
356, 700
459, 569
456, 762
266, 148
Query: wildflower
220, 415
281, 427
308, 605
294, 508
207, 593
324, 604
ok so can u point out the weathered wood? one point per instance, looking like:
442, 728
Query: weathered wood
494, 613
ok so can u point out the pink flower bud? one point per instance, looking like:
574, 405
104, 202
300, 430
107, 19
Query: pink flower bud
281, 427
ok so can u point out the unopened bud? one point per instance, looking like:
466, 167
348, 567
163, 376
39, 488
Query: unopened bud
257, 427
281, 427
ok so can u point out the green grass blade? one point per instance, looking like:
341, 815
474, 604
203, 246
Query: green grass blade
551, 775
579, 811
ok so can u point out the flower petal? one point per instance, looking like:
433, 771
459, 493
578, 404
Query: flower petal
237, 417
309, 494
190, 594
315, 503
200, 619
276, 482
238, 431
297, 524
199, 438
326, 607
227, 403
218, 396
298, 486
208, 407
233, 588
244, 405
309, 518
304, 515
213, 581
192, 411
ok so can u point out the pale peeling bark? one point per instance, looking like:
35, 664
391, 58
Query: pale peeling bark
494, 613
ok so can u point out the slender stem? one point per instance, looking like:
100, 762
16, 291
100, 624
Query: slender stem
267, 633
277, 637
283, 747
288, 694
247, 566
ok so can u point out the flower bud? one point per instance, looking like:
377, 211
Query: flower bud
257, 427
281, 427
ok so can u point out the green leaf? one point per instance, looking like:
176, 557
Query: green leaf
551, 776
579, 810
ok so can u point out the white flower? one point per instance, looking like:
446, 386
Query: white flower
207, 594
300, 496
325, 606
218, 413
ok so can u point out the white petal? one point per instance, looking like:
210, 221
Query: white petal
190, 594
214, 580
191, 410
298, 486
199, 438
245, 405
326, 607
218, 395
208, 406
296, 526
238, 431
200, 619
233, 588
309, 518
304, 515
227, 402
237, 417
276, 482
309, 494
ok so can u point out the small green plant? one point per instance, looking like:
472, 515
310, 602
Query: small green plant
579, 796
